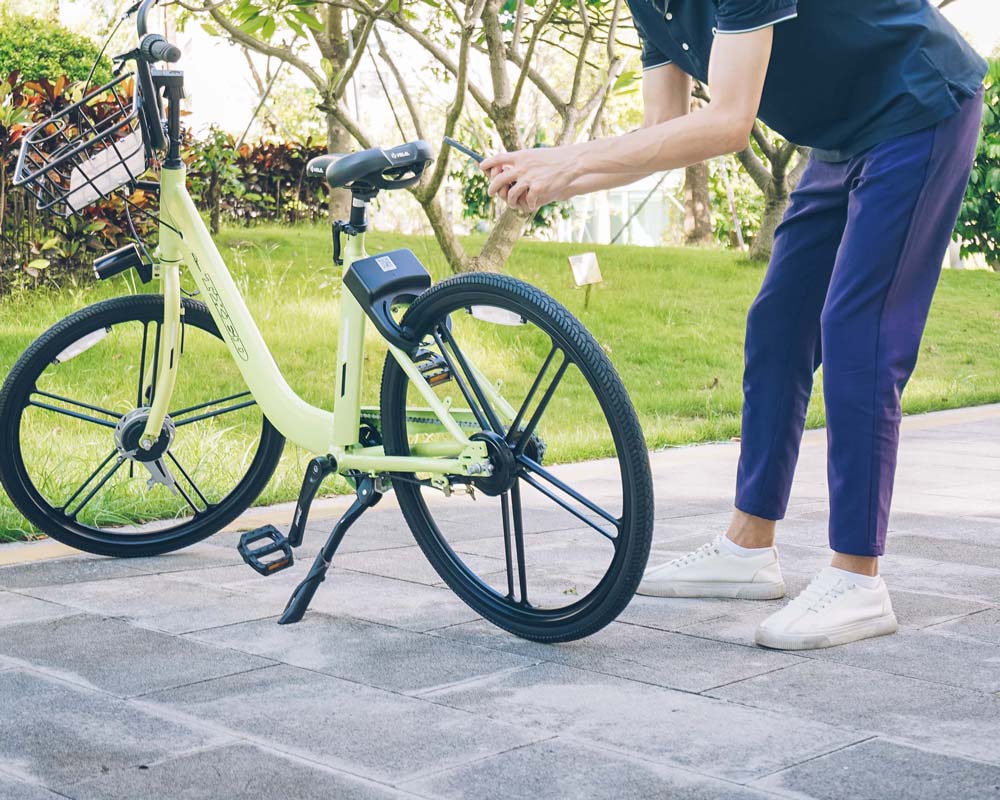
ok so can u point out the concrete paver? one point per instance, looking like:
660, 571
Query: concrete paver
168, 677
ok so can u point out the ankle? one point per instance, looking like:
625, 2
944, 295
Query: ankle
749, 531
861, 565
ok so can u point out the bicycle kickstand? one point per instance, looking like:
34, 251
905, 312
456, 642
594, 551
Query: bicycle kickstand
367, 496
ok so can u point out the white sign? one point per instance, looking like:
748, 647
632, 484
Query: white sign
585, 269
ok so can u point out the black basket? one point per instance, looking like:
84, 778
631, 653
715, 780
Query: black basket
86, 151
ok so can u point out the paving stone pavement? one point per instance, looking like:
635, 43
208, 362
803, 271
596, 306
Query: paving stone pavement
168, 677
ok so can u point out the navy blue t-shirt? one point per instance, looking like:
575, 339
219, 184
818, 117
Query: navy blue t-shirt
844, 74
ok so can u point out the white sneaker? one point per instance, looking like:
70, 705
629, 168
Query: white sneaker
714, 571
832, 610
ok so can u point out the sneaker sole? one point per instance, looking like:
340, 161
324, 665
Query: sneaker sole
729, 591
869, 628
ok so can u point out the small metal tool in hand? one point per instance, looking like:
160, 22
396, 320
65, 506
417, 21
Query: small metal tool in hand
477, 157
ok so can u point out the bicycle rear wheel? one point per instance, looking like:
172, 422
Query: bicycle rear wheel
74, 406
547, 549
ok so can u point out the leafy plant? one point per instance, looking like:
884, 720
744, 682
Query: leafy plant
39, 48
214, 173
747, 200
979, 220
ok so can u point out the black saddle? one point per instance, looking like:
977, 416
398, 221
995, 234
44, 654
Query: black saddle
374, 169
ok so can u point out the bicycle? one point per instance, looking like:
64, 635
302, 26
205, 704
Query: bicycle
419, 441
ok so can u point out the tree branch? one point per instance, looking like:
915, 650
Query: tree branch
535, 33
260, 46
755, 168
757, 132
440, 55
411, 106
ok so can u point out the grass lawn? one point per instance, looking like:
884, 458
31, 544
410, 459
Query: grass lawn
672, 321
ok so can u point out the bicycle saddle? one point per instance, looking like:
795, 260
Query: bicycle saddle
375, 168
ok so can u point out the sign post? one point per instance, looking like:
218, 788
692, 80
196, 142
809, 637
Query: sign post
586, 272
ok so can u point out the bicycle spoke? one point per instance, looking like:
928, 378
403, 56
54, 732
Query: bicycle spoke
567, 507
537, 469
121, 460
186, 497
218, 413
531, 393
193, 485
491, 415
525, 436
75, 414
87, 406
89, 479
505, 510
200, 406
482, 420
522, 577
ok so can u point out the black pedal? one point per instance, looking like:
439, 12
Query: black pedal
432, 366
275, 543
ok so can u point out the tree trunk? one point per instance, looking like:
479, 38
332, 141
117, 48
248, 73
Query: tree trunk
214, 205
506, 231
505, 234
338, 141
453, 251
337, 50
697, 205
775, 203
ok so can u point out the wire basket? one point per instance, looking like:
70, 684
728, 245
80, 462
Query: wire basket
86, 151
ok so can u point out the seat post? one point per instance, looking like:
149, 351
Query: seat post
358, 222
359, 210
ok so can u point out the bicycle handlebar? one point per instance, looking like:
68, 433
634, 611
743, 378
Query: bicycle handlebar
140, 20
155, 48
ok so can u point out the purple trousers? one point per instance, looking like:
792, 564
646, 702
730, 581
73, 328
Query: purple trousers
854, 266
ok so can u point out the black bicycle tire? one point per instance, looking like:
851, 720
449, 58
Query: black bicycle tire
17, 483
633, 457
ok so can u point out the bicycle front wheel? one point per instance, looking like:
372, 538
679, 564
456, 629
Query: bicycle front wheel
552, 544
74, 406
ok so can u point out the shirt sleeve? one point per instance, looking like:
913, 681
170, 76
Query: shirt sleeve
743, 16
651, 56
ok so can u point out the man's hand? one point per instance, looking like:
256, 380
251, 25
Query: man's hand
530, 179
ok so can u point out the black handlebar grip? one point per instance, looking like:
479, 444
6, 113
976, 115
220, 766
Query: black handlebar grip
155, 48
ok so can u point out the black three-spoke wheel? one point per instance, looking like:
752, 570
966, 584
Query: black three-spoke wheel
552, 543
74, 407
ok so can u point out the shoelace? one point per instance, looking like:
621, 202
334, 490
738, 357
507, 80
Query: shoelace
819, 594
708, 549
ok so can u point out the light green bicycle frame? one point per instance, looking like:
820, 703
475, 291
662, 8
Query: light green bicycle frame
184, 239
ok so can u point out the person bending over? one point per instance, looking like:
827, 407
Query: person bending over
889, 96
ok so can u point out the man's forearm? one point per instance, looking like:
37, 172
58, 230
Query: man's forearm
529, 179
600, 181
677, 143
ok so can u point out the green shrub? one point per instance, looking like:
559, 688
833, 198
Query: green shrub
39, 48
979, 222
